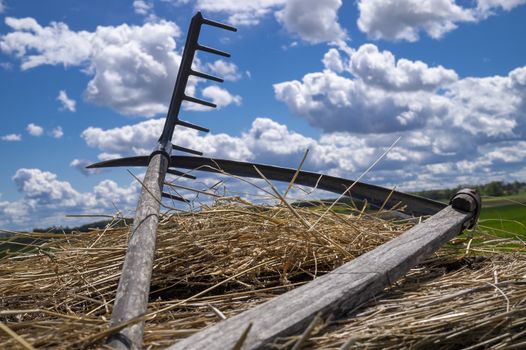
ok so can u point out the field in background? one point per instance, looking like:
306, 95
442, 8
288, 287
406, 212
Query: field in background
30, 242
503, 206
505, 216
18, 244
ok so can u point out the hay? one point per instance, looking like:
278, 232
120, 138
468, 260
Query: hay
471, 303
209, 264
224, 259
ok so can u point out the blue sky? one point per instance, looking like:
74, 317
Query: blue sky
86, 81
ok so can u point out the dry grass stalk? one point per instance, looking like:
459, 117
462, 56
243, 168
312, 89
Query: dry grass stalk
227, 256
449, 303
230, 256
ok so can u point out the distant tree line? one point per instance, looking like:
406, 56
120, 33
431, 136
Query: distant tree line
85, 228
493, 189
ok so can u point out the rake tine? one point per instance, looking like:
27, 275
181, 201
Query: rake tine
218, 25
192, 126
198, 101
174, 197
187, 150
212, 50
206, 76
180, 173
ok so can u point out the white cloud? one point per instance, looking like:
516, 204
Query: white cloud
67, 103
332, 103
46, 200
312, 20
379, 94
502, 161
2, 6
177, 2
34, 130
142, 7
36, 45
124, 61
332, 60
44, 186
145, 8
11, 137
406, 19
381, 69
137, 139
57, 132
108, 193
13, 213
133, 68
107, 156
478, 123
507, 152
486, 105
225, 70
487, 7
140, 138
266, 141
221, 97
81, 164
427, 157
241, 12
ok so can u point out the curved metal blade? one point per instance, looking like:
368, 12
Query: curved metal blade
375, 195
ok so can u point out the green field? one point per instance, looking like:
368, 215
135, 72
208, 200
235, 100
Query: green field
504, 216
18, 244
504, 200
505, 220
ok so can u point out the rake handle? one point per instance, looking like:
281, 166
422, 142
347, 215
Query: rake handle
134, 285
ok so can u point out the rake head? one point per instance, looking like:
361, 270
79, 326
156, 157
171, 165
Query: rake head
164, 144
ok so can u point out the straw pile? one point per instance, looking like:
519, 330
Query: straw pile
224, 259
209, 264
471, 303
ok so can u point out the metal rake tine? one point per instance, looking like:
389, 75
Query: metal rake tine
218, 24
192, 126
187, 150
212, 50
181, 174
206, 76
174, 197
199, 101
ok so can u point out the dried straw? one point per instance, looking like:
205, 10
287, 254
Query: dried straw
228, 257
450, 302
209, 264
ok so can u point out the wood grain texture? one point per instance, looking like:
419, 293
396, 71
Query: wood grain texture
335, 293
134, 284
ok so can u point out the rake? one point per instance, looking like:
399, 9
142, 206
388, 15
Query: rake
342, 290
